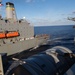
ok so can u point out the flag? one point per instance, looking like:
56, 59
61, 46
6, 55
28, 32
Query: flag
1, 5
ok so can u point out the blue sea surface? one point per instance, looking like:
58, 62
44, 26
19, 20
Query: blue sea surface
56, 31
64, 36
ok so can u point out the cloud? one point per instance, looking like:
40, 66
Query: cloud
47, 21
29, 1
43, 0
41, 21
73, 12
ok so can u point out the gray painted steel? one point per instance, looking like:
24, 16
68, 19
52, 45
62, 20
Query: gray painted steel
25, 41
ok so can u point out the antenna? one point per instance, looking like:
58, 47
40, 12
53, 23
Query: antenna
0, 1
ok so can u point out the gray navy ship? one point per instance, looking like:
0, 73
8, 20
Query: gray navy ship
17, 35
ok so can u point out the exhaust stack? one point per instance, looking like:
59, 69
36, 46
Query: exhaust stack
10, 11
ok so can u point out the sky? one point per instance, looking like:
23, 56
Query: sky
44, 12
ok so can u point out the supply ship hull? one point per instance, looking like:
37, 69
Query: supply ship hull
17, 35
20, 46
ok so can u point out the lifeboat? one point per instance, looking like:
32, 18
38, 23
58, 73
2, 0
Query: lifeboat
2, 35
12, 34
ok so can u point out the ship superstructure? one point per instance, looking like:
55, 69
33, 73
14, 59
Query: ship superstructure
17, 35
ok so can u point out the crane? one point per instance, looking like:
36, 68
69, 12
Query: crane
73, 19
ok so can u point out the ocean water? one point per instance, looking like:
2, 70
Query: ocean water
56, 31
62, 36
